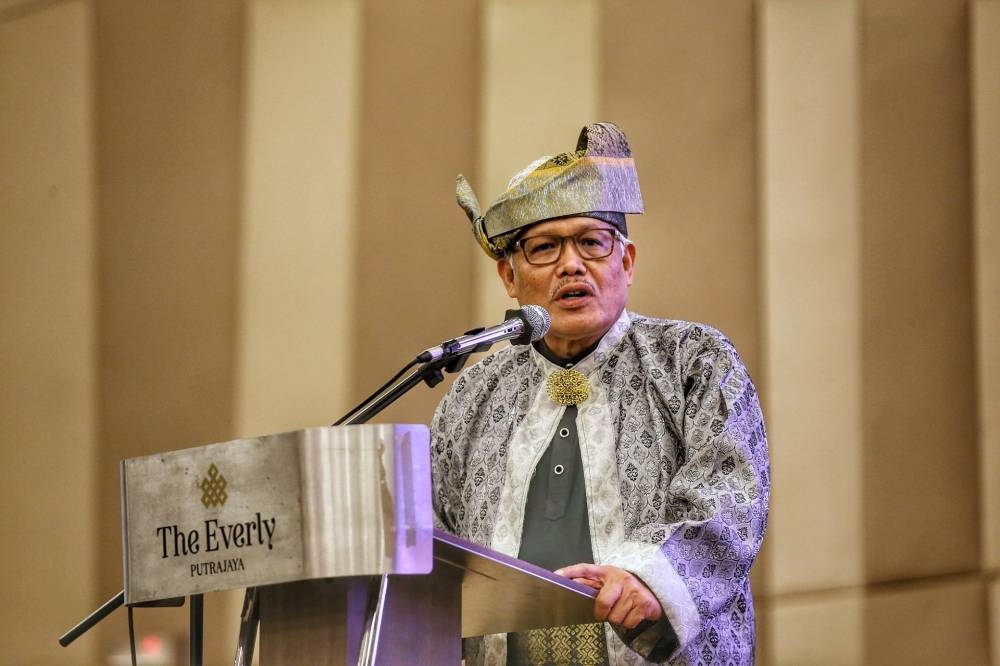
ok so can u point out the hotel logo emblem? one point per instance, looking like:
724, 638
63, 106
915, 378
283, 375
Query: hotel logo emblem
213, 488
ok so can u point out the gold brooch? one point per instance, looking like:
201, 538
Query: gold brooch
568, 387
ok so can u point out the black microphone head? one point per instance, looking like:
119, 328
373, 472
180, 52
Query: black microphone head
537, 321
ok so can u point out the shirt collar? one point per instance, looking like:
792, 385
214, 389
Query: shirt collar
554, 358
589, 359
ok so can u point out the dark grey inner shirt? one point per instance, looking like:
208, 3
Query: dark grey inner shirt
556, 526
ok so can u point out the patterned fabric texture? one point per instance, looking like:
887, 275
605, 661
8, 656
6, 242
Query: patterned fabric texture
675, 463
556, 646
598, 176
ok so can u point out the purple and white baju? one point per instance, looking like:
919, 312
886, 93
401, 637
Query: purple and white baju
675, 467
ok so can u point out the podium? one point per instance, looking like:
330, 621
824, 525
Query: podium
333, 527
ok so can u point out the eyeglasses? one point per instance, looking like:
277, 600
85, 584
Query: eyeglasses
590, 244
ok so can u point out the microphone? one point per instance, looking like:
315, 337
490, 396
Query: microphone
528, 324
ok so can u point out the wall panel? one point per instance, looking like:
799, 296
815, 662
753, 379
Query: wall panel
812, 283
907, 624
986, 215
413, 282
816, 629
169, 132
919, 376
298, 253
994, 620
47, 338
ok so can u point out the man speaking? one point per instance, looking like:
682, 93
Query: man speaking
622, 451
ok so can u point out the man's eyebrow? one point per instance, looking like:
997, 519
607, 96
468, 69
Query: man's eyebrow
581, 231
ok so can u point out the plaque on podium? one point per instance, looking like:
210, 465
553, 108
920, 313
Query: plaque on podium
313, 503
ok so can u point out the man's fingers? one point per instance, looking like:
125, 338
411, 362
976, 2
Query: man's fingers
634, 617
589, 582
606, 600
621, 609
583, 570
631, 604
621, 599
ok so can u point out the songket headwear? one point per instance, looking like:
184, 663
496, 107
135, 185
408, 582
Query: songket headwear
598, 179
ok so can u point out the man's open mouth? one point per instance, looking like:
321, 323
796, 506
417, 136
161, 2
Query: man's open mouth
572, 292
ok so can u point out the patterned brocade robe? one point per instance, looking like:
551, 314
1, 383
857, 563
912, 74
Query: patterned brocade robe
675, 466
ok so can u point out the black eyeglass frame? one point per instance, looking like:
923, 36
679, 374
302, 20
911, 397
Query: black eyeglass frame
616, 236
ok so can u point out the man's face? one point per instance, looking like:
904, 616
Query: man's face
584, 296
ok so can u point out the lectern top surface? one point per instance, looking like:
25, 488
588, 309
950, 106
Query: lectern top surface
501, 594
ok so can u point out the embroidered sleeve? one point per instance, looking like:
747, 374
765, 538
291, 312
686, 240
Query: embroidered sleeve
696, 556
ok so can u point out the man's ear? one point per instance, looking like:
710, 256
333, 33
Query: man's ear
506, 272
628, 262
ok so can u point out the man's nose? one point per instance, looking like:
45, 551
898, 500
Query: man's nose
570, 262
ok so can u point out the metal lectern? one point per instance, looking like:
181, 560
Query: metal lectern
333, 527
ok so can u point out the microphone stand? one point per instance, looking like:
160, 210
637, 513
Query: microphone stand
431, 373
109, 607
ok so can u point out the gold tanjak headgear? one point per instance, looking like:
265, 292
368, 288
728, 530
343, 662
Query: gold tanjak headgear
598, 179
